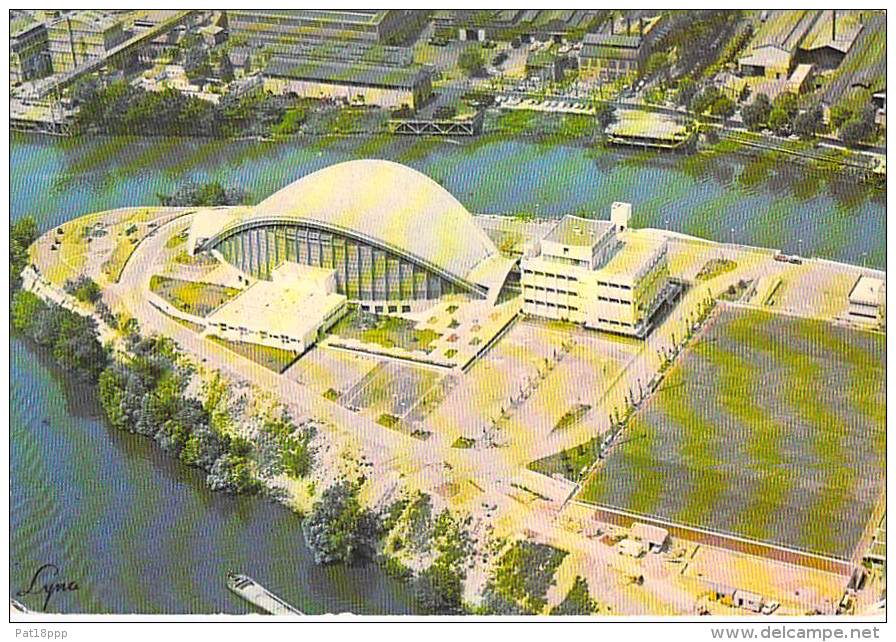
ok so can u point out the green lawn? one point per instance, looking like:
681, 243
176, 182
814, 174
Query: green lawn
768, 427
192, 297
389, 332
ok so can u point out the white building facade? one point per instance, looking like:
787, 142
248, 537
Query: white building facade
598, 273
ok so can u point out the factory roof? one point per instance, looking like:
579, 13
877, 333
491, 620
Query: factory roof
346, 73
784, 29
351, 16
848, 26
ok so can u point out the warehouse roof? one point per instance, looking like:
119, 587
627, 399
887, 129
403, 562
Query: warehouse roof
346, 73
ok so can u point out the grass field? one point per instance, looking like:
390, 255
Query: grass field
192, 297
275, 359
389, 332
769, 427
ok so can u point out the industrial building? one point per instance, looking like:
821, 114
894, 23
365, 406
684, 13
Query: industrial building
28, 49
786, 38
618, 52
83, 36
867, 300
395, 238
283, 26
290, 312
508, 24
380, 85
597, 273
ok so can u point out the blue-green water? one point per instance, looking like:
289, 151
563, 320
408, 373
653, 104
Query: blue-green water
140, 532
755, 202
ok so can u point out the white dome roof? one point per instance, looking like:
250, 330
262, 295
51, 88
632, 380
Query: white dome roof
388, 203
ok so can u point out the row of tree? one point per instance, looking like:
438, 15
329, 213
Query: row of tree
204, 194
119, 108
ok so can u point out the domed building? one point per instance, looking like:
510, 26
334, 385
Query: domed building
393, 236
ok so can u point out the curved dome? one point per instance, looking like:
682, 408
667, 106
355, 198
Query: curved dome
389, 203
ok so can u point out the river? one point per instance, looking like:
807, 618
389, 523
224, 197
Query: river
139, 532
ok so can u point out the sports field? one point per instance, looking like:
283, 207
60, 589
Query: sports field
768, 427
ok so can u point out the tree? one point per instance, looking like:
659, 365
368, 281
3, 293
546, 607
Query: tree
840, 114
756, 114
22, 234
232, 473
77, 347
788, 102
779, 121
225, 68
860, 128
723, 107
687, 89
26, 307
704, 100
809, 122
84, 289
604, 112
439, 589
471, 60
656, 62
854, 131
338, 528
578, 601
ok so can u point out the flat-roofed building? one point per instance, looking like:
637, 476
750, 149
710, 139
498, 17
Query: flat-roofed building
289, 312
279, 26
83, 36
867, 300
355, 82
598, 273
28, 49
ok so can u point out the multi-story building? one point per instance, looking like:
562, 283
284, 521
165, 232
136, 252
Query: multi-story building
617, 52
288, 26
28, 54
83, 36
598, 273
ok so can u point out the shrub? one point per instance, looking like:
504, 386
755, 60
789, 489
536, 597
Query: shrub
470, 60
578, 601
232, 473
338, 528
22, 234
84, 289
